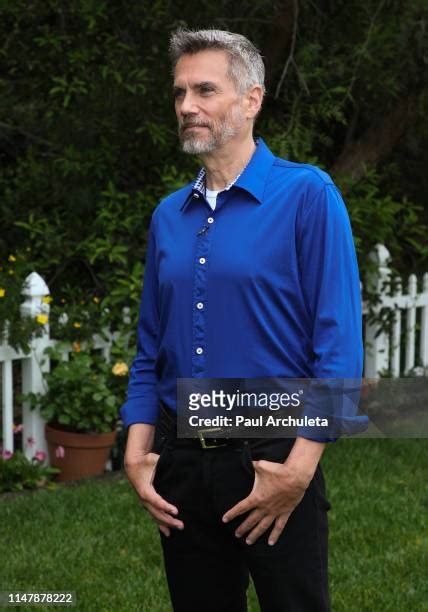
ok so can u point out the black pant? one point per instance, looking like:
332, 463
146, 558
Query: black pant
207, 566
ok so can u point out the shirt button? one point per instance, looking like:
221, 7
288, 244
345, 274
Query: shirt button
199, 305
202, 260
210, 220
199, 350
196, 195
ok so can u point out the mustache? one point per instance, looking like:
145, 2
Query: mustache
187, 124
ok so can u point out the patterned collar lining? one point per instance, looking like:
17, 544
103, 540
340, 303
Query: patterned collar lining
199, 184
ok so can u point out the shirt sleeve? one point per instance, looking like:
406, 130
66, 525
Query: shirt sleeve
142, 404
331, 290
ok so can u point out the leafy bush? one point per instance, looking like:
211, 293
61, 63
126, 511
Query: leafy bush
17, 329
89, 141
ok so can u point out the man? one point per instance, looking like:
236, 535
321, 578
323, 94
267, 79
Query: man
250, 272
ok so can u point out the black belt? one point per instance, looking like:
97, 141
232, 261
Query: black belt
166, 429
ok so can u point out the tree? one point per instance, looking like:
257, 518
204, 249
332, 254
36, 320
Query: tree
88, 137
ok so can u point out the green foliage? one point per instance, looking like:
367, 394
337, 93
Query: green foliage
88, 139
18, 473
17, 329
85, 392
379, 217
75, 320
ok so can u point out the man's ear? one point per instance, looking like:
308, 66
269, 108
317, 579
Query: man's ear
254, 99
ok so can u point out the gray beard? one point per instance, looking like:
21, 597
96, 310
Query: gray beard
195, 146
199, 146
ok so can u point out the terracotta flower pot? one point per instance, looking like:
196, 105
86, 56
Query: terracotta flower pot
84, 455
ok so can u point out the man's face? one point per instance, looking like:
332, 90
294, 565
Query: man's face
209, 110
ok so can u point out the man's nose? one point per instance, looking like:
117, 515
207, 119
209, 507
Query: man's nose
188, 105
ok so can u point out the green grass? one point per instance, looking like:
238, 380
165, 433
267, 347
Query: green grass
94, 537
378, 524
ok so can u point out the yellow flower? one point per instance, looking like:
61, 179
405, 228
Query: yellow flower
77, 325
96, 299
12, 258
42, 319
47, 299
76, 347
120, 369
2, 292
11, 271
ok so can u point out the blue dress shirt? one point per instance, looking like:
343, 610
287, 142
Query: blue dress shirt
266, 285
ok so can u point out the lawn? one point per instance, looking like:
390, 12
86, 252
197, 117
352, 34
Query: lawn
94, 537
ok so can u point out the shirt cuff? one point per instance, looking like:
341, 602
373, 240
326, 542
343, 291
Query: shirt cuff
315, 439
137, 410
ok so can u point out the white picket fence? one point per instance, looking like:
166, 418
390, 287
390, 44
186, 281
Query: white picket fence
33, 365
382, 350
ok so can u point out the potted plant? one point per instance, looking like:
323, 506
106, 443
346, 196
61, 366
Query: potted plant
81, 403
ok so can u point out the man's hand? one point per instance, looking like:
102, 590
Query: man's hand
276, 492
278, 489
140, 466
140, 472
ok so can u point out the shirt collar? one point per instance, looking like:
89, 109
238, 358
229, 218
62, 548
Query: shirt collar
199, 184
253, 178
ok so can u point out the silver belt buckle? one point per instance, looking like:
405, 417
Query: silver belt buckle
205, 442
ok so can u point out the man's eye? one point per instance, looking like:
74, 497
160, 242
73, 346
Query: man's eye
206, 90
178, 93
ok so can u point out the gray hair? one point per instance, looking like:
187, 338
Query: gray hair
246, 66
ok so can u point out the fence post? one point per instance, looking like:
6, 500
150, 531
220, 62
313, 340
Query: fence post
7, 400
396, 335
423, 352
34, 290
412, 291
377, 347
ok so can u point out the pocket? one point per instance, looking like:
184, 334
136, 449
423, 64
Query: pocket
247, 460
275, 450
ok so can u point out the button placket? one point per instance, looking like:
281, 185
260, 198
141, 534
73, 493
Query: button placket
200, 272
